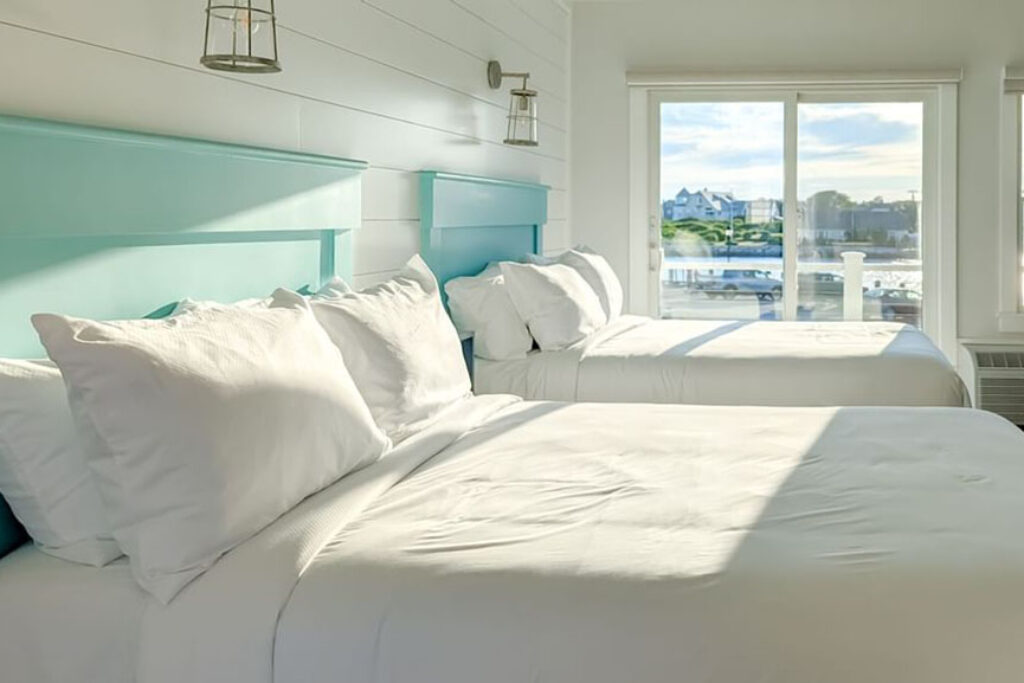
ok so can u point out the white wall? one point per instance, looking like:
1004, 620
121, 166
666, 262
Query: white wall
398, 83
610, 38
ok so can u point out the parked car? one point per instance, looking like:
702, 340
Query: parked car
813, 285
732, 283
902, 305
821, 293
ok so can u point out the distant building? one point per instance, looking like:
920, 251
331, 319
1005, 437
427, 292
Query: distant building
864, 220
666, 208
764, 211
828, 216
704, 205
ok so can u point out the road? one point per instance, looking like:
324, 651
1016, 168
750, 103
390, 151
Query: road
680, 302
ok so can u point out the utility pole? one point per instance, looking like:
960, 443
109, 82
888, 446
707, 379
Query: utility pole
917, 212
729, 233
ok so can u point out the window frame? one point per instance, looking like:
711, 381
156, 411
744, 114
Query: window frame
1011, 221
938, 95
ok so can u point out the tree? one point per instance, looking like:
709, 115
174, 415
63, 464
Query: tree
668, 230
830, 199
824, 210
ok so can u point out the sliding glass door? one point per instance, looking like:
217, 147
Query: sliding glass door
722, 178
859, 190
791, 206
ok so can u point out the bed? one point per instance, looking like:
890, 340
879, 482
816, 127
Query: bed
543, 541
66, 622
469, 222
516, 540
638, 359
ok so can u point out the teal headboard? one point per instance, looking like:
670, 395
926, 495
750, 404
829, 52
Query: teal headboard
467, 221
111, 224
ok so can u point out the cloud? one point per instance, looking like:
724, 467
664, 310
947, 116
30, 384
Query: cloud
738, 158
729, 146
712, 115
831, 153
862, 130
862, 149
670, 149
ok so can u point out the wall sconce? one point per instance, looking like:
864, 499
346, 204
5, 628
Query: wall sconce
522, 110
241, 36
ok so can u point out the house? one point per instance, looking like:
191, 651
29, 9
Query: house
824, 218
764, 211
704, 205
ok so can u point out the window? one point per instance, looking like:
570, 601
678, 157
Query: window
796, 177
859, 165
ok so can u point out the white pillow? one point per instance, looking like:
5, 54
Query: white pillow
481, 306
43, 474
399, 345
557, 304
540, 259
191, 305
204, 428
597, 273
492, 269
334, 287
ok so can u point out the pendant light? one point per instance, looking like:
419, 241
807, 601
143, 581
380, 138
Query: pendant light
522, 108
241, 36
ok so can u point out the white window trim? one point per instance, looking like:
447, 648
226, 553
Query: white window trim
938, 92
1011, 317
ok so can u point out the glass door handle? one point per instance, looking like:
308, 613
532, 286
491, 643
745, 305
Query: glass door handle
657, 256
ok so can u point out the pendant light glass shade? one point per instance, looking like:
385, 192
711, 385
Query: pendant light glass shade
522, 118
522, 108
241, 36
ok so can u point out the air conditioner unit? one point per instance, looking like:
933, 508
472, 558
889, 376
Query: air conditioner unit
998, 382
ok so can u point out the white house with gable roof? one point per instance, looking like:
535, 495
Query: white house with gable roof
704, 205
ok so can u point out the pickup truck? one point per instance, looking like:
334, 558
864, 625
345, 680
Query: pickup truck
732, 283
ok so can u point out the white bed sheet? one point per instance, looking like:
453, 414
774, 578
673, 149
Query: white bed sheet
222, 627
62, 622
637, 359
600, 542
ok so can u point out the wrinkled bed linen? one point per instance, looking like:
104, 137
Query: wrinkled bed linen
637, 359
222, 626
600, 542
63, 621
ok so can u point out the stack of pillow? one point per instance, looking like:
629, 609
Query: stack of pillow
553, 301
171, 441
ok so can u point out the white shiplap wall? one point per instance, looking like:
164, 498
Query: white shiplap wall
398, 83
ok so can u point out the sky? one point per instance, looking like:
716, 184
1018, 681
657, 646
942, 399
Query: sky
864, 150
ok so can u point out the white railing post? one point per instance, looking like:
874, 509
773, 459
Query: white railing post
853, 284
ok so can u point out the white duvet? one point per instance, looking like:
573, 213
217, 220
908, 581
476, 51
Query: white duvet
708, 362
521, 541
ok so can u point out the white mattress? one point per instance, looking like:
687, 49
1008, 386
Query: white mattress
602, 542
705, 362
62, 622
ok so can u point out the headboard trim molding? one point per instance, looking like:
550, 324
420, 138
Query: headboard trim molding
483, 180
195, 145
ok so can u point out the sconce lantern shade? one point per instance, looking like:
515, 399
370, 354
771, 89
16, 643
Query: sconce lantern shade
241, 36
522, 108
522, 118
